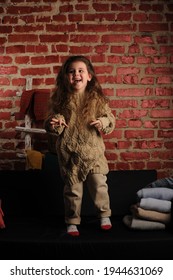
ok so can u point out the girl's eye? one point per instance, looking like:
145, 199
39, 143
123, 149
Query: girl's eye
71, 71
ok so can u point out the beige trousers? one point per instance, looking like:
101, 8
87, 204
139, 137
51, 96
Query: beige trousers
98, 189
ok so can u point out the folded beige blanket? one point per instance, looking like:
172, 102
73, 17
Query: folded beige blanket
150, 215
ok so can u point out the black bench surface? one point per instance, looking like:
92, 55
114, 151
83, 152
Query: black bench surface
32, 202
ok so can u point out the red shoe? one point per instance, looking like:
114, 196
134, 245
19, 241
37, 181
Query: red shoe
73, 233
106, 223
106, 227
72, 230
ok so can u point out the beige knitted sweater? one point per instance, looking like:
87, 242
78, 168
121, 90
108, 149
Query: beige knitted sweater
81, 150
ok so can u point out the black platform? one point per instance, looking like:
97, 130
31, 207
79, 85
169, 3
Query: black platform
35, 228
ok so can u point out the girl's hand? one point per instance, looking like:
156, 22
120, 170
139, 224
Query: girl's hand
97, 124
58, 122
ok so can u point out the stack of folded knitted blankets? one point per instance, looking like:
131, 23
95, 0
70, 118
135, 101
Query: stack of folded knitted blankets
152, 210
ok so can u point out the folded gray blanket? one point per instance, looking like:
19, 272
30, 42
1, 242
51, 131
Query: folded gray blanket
159, 193
139, 224
155, 204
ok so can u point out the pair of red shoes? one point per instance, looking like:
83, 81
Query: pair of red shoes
2, 224
105, 225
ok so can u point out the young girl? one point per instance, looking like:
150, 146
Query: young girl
79, 114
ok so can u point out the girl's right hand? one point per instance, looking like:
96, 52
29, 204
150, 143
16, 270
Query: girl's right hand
58, 122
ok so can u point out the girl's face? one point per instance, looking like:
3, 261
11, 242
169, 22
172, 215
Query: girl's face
78, 76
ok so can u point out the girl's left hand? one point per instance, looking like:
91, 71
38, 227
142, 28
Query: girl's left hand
97, 124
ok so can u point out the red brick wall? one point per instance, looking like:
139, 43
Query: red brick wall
130, 43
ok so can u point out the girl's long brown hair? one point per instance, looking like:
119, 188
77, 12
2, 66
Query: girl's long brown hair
63, 93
